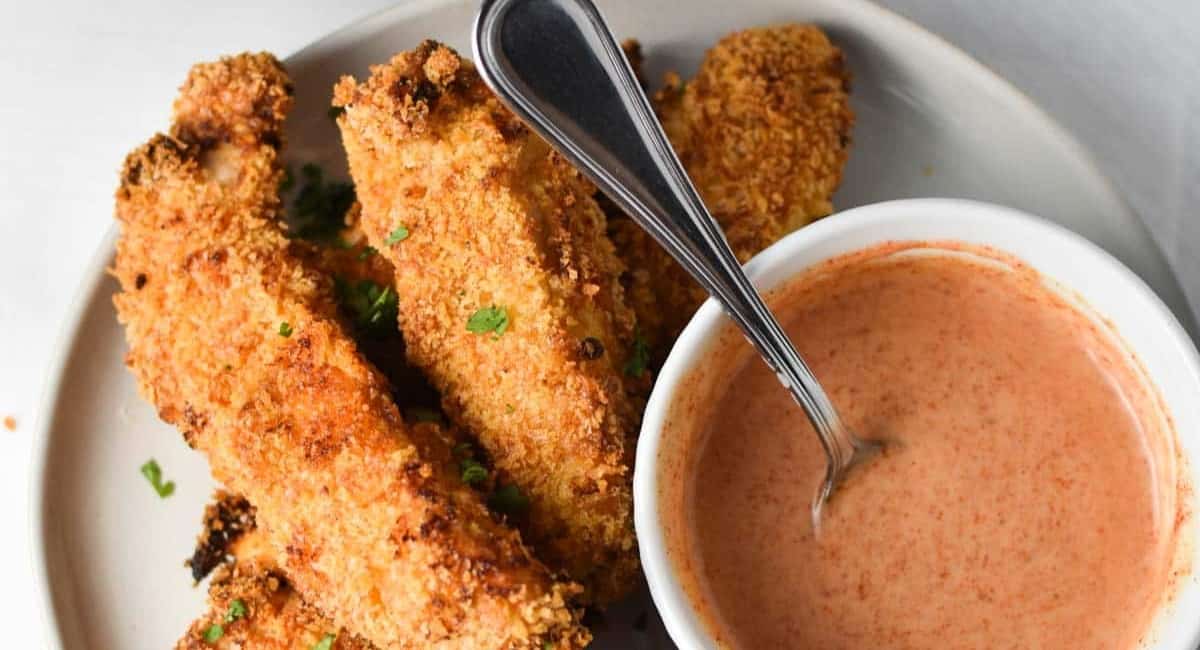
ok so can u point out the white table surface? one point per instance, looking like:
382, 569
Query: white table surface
83, 82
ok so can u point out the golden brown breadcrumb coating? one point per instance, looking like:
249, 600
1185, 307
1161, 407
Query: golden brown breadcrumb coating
764, 131
238, 342
495, 218
270, 615
276, 617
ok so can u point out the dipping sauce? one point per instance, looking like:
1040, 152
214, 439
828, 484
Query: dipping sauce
1030, 499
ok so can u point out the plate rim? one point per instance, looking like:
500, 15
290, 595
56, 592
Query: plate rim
95, 271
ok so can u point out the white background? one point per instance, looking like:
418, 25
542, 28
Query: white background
83, 82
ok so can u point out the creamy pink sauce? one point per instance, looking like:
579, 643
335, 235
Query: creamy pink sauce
1029, 499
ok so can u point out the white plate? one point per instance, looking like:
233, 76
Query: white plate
931, 122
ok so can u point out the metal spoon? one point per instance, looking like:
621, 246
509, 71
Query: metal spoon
557, 65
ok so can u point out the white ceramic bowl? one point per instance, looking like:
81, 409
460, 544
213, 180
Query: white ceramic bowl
1109, 288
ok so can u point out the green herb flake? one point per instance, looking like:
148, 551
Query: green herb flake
319, 211
635, 366
213, 633
396, 236
366, 253
153, 473
508, 500
335, 112
422, 414
489, 319
464, 449
473, 472
325, 643
509, 408
237, 609
285, 329
373, 307
547, 645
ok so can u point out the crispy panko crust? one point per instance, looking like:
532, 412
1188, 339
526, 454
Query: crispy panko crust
764, 131
362, 512
496, 218
275, 618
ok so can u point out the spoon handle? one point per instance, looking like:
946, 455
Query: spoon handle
556, 64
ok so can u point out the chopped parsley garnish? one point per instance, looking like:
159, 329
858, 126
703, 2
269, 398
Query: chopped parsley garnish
325, 643
213, 633
639, 357
335, 112
153, 473
508, 500
367, 252
489, 319
285, 329
396, 236
373, 307
237, 609
319, 211
473, 472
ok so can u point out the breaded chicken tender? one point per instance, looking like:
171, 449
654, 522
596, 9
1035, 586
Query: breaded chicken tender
763, 131
275, 618
238, 342
251, 603
510, 299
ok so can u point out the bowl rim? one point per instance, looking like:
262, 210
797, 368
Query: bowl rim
777, 264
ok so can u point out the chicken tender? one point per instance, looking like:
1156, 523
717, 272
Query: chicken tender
510, 299
251, 603
763, 131
238, 342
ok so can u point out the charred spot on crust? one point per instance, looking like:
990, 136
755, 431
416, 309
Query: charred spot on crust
225, 520
435, 524
195, 421
133, 173
591, 348
426, 92
139, 281
160, 152
272, 139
